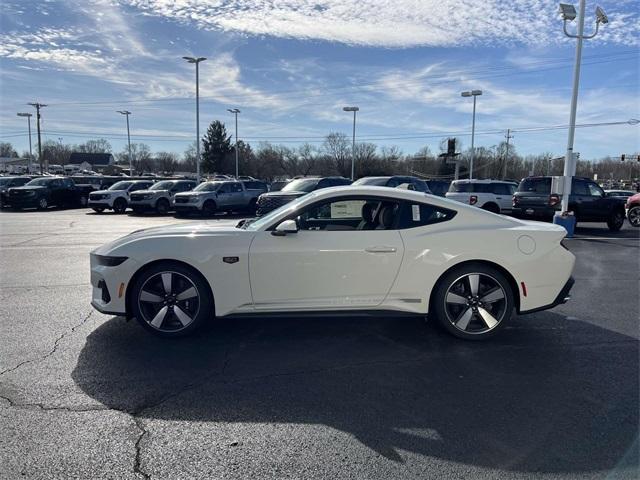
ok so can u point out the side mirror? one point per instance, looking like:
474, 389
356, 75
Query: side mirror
284, 228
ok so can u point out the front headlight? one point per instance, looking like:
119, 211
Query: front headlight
108, 261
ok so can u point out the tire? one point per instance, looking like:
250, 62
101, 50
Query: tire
119, 205
615, 221
471, 316
491, 207
43, 204
209, 208
633, 215
98, 209
162, 206
155, 300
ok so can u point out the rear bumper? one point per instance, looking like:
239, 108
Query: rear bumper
534, 211
563, 297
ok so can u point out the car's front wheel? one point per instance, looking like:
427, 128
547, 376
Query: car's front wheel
634, 216
119, 205
43, 204
473, 301
171, 300
615, 221
162, 206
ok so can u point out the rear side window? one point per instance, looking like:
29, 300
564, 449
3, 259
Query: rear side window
535, 185
456, 187
501, 189
414, 215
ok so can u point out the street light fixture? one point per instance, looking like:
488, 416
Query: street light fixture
28, 115
127, 113
568, 13
235, 111
474, 94
197, 61
353, 144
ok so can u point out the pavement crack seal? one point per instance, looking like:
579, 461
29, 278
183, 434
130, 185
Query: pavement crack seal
53, 349
137, 463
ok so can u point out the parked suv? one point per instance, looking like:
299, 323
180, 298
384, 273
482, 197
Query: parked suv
6, 183
414, 183
633, 210
491, 195
211, 197
44, 192
116, 197
295, 189
535, 200
159, 197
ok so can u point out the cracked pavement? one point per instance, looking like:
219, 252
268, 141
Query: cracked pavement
86, 395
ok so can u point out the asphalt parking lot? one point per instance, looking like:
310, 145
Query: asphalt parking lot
85, 395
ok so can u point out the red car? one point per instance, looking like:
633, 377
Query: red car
633, 210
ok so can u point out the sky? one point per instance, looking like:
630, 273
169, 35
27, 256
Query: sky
291, 65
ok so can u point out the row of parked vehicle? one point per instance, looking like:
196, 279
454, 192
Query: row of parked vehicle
532, 198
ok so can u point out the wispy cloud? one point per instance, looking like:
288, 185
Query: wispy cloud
388, 23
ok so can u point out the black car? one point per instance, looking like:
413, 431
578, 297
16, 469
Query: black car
534, 200
414, 183
295, 189
44, 192
438, 187
6, 183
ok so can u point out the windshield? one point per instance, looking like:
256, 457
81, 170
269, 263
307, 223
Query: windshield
39, 182
162, 185
379, 181
207, 187
301, 185
257, 223
120, 186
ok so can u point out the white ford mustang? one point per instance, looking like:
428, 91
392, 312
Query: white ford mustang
357, 249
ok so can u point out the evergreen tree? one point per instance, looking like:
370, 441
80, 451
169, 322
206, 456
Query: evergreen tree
216, 149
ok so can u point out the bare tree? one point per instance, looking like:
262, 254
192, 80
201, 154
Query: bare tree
337, 147
99, 145
167, 162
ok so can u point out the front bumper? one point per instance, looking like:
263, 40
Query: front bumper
187, 207
98, 205
23, 202
110, 285
563, 297
142, 205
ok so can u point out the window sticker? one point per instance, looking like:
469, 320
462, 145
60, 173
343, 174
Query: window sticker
415, 212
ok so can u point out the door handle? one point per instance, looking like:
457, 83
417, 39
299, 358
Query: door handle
381, 249
498, 198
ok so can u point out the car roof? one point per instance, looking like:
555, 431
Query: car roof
473, 180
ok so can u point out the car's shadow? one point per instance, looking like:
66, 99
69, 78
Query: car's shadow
547, 395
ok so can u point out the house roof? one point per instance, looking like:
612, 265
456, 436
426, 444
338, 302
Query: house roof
91, 158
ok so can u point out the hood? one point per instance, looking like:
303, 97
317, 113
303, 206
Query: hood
185, 230
191, 194
148, 191
101, 192
280, 193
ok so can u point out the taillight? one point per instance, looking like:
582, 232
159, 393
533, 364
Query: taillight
554, 200
515, 200
473, 199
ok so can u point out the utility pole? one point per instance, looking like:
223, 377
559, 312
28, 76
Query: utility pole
235, 111
127, 113
38, 106
196, 61
508, 136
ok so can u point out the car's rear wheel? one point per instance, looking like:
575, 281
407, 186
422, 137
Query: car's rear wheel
98, 209
162, 206
473, 301
634, 216
491, 207
209, 208
615, 221
120, 205
171, 300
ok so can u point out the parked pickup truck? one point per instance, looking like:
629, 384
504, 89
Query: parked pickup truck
44, 192
534, 200
116, 197
211, 197
6, 183
159, 197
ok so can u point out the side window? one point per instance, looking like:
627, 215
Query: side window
350, 214
579, 188
236, 187
595, 190
55, 183
420, 214
500, 189
420, 185
512, 189
393, 182
225, 188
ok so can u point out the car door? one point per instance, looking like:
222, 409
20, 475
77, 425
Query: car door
224, 195
330, 263
57, 192
597, 202
503, 196
581, 199
237, 195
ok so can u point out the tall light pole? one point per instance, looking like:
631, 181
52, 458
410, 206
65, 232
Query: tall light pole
38, 106
474, 94
28, 115
197, 61
568, 13
126, 113
353, 144
235, 111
